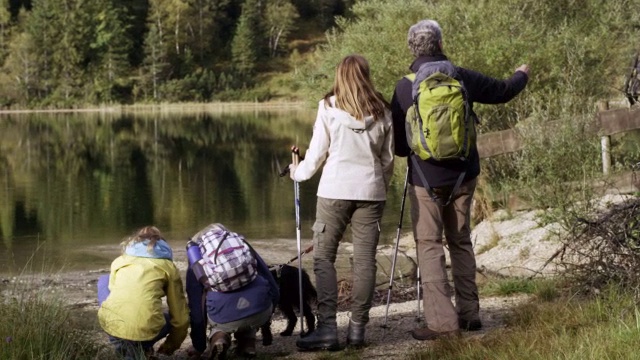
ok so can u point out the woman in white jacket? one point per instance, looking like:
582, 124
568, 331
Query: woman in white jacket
353, 138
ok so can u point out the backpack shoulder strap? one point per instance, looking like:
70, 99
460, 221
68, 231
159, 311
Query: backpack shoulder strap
430, 189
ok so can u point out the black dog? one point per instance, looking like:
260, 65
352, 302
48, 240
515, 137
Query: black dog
287, 278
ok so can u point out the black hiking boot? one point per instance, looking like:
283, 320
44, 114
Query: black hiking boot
355, 334
469, 325
325, 337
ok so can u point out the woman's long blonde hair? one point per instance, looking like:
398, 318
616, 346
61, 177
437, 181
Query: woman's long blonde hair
354, 90
150, 233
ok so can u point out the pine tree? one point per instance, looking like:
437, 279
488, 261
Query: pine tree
43, 30
5, 26
245, 48
111, 47
154, 65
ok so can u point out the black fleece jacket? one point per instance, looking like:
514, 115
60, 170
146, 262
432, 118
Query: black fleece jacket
481, 89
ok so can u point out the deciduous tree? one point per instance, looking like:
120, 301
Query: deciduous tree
280, 18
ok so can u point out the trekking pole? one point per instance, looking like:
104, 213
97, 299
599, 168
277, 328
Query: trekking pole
418, 287
395, 252
295, 159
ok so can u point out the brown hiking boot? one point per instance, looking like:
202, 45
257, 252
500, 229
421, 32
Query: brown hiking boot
218, 345
427, 334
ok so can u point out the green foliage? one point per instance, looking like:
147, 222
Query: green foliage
378, 32
562, 41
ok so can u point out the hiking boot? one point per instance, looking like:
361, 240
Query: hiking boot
427, 334
325, 337
470, 325
218, 345
355, 334
246, 347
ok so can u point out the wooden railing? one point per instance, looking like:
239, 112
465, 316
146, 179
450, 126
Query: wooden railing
607, 122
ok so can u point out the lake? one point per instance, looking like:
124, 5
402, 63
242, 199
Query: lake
73, 185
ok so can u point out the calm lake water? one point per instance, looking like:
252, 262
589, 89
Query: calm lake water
72, 186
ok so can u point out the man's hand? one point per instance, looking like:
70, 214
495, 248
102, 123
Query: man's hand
524, 68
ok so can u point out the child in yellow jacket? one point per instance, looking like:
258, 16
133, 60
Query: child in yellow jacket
131, 310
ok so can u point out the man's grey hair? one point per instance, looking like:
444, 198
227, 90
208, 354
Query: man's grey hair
424, 38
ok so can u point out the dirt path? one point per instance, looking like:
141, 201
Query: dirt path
78, 289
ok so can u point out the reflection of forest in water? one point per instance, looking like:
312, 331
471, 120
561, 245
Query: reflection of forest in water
69, 181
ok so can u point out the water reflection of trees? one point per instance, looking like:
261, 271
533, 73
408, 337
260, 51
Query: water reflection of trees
90, 175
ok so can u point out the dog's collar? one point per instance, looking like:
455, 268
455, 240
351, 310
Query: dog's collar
278, 269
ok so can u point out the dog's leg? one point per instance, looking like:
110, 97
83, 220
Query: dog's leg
292, 319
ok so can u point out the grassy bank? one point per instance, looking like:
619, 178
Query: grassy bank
38, 326
606, 327
553, 325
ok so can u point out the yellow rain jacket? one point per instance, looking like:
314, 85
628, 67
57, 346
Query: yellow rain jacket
134, 310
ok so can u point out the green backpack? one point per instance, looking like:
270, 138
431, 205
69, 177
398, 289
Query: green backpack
439, 124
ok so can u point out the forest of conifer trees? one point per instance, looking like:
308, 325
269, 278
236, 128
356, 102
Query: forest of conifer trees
76, 53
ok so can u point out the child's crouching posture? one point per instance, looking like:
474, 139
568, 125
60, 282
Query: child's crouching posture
131, 310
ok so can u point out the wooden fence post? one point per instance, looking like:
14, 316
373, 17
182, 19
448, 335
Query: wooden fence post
605, 143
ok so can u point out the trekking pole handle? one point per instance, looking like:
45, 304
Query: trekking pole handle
295, 155
295, 160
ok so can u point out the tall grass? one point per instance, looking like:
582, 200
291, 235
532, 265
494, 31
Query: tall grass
37, 325
606, 327
38, 328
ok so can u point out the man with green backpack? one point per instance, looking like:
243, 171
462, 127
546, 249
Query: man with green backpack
434, 125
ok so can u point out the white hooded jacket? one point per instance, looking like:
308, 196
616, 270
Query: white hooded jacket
358, 154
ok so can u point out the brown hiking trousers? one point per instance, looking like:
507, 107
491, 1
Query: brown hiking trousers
430, 220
